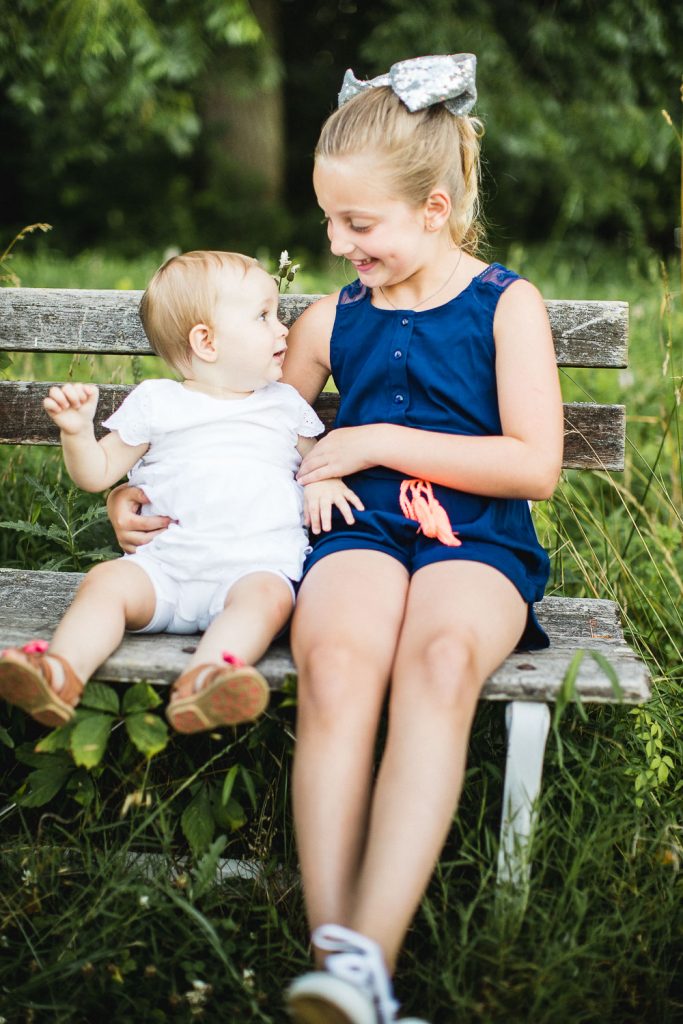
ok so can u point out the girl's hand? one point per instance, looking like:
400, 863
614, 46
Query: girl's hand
131, 529
319, 499
339, 453
72, 407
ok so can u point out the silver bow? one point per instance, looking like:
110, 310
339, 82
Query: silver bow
423, 81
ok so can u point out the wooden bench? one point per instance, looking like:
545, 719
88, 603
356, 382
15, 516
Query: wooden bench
586, 334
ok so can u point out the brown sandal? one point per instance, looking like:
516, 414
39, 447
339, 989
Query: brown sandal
219, 695
26, 681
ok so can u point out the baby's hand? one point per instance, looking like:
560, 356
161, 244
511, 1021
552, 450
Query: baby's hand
321, 496
72, 407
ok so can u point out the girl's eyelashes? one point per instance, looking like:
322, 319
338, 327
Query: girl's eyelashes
359, 228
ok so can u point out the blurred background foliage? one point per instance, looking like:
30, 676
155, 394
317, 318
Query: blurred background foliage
140, 124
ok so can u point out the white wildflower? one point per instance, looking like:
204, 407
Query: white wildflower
284, 260
144, 902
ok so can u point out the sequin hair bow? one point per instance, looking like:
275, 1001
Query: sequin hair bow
423, 81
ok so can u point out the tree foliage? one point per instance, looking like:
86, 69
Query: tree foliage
571, 94
96, 76
107, 110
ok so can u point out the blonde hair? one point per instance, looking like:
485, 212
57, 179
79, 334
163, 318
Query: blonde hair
185, 291
416, 151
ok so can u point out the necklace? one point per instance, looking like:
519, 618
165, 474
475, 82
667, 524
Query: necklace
429, 297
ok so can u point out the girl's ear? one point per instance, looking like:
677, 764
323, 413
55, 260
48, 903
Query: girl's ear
437, 209
201, 340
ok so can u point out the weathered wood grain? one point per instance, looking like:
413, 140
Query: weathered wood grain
594, 434
585, 333
31, 604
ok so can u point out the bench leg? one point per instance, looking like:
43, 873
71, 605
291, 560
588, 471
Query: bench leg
527, 726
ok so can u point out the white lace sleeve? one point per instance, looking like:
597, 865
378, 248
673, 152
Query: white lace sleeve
133, 418
310, 424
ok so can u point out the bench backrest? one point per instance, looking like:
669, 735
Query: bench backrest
585, 334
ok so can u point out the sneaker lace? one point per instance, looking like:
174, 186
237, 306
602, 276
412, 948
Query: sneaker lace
358, 960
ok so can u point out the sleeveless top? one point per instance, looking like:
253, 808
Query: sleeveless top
435, 370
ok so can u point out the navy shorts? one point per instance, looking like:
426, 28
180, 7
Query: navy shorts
479, 523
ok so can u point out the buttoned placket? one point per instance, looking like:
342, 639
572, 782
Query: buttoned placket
397, 369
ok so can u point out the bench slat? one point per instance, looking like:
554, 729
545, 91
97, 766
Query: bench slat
586, 333
31, 604
594, 434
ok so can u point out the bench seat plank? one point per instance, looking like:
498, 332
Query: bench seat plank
31, 604
593, 439
585, 332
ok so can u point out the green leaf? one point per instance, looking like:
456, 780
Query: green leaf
233, 816
89, 739
197, 821
205, 874
58, 739
99, 697
5, 738
141, 697
229, 783
249, 786
42, 784
21, 526
81, 787
147, 732
609, 671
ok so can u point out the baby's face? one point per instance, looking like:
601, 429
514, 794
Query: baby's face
249, 338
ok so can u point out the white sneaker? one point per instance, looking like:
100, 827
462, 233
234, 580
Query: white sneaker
355, 988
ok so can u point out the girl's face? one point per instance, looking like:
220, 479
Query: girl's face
384, 238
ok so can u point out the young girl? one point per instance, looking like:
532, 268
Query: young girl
216, 453
450, 419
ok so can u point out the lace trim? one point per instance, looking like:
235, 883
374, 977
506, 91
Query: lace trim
131, 419
354, 292
310, 424
499, 276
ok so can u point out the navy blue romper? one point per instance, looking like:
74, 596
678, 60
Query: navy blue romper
434, 370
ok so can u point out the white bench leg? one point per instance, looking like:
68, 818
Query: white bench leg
527, 726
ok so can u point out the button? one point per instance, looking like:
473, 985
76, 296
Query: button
397, 354
398, 399
405, 321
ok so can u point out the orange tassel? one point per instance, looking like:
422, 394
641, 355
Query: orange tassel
419, 504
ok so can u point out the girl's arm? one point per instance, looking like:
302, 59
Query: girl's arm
92, 465
307, 363
523, 462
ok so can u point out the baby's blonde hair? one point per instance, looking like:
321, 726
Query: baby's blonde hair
184, 292
417, 152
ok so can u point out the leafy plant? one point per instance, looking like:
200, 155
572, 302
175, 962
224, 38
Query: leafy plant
61, 519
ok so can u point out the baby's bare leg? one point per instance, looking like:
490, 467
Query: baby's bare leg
256, 609
113, 597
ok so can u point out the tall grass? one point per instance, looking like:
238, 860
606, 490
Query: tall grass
89, 929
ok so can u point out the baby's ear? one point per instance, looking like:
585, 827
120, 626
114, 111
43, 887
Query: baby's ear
202, 343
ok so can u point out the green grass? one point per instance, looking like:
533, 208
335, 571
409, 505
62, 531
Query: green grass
601, 936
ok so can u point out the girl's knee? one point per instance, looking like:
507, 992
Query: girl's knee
335, 682
445, 672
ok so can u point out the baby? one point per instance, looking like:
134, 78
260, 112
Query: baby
216, 452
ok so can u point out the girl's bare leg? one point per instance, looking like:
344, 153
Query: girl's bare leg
344, 635
113, 597
256, 609
462, 619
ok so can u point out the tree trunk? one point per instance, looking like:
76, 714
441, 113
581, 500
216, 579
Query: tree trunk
244, 109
